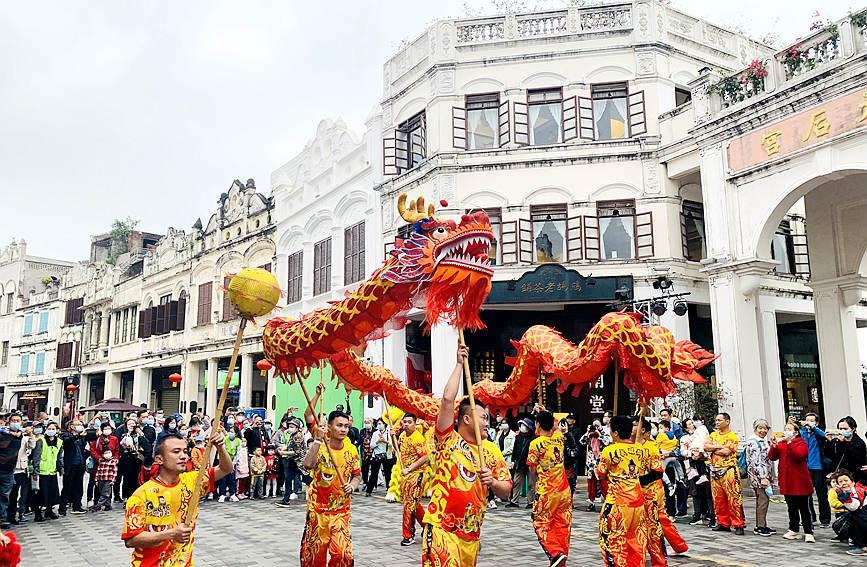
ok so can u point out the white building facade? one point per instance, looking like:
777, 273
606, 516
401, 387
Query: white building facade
328, 230
576, 131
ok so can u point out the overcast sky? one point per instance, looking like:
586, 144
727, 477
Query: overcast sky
150, 109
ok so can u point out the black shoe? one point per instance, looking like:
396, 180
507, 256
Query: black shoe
107, 508
558, 561
14, 521
696, 522
5, 525
282, 503
719, 528
712, 525
590, 508
79, 511
407, 541
51, 515
62, 511
511, 505
39, 519
739, 531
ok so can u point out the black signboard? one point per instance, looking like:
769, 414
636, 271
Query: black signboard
554, 283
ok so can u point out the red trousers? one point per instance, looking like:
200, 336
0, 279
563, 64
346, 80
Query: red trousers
728, 500
659, 526
552, 520
622, 536
592, 486
413, 512
326, 541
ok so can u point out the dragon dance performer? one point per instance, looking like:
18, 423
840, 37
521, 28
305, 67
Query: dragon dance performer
413, 459
552, 507
658, 525
153, 524
326, 531
622, 537
456, 511
725, 480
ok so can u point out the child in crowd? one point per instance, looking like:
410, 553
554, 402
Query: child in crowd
106, 472
849, 498
258, 468
242, 471
271, 473
197, 453
667, 443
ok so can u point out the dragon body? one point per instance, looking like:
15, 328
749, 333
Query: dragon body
443, 267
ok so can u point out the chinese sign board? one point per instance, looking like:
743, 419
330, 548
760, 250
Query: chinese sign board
554, 283
807, 128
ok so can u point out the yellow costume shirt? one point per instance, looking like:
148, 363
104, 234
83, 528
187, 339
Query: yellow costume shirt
325, 494
623, 463
729, 440
546, 454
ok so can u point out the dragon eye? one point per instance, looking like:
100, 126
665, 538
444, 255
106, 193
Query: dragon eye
439, 232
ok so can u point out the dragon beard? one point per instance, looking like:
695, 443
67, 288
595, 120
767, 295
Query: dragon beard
457, 295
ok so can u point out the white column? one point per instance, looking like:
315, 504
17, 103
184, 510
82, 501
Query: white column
839, 359
443, 352
141, 386
105, 318
84, 391
737, 341
246, 370
112, 385
189, 385
775, 407
211, 398
94, 330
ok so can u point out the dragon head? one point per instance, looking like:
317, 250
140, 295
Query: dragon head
447, 260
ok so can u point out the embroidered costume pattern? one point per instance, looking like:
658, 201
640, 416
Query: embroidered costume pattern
412, 448
725, 482
552, 508
622, 536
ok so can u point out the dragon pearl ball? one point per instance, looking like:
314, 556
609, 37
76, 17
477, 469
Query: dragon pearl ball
254, 292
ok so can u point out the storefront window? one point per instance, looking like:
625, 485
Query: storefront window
549, 233
617, 228
799, 366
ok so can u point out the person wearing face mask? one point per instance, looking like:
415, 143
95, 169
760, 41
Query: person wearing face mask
365, 449
380, 443
519, 469
130, 461
595, 440
74, 456
227, 485
10, 443
845, 449
170, 427
760, 473
147, 438
815, 438
19, 497
292, 448
795, 482
505, 440
47, 459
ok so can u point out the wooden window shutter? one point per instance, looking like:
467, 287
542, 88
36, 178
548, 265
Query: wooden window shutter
683, 236
401, 150
389, 156
522, 123
67, 318
141, 324
459, 128
644, 235
637, 118
592, 248
203, 307
570, 118
574, 251
266, 267
801, 253
229, 312
525, 241
152, 321
504, 132
423, 142
509, 243
173, 316
586, 130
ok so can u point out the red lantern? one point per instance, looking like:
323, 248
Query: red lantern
264, 366
175, 379
71, 388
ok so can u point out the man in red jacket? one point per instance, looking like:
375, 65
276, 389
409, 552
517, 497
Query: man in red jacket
796, 485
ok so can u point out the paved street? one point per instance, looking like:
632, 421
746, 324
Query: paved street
261, 534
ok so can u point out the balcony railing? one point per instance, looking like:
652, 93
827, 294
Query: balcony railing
544, 24
824, 49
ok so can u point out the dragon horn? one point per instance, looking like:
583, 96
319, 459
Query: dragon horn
416, 211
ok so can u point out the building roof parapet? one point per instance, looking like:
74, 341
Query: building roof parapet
826, 50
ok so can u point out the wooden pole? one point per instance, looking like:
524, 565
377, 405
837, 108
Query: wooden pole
394, 446
468, 380
316, 423
206, 458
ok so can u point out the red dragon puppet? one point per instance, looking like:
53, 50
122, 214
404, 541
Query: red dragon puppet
444, 268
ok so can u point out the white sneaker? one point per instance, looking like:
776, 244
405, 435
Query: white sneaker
492, 505
234, 498
293, 496
791, 535
808, 538
222, 498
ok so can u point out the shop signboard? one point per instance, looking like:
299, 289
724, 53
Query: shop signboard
554, 283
